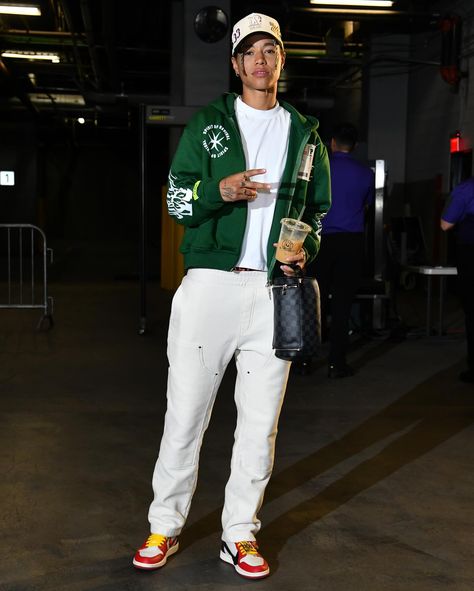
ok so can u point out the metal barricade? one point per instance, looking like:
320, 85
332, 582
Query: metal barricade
23, 270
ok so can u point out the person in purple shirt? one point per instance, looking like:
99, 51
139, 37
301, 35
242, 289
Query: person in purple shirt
459, 214
338, 268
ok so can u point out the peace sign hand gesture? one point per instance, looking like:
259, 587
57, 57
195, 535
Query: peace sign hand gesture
239, 187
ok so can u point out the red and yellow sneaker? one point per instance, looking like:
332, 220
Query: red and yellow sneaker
245, 558
155, 551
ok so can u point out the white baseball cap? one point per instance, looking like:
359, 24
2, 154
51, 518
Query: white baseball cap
255, 23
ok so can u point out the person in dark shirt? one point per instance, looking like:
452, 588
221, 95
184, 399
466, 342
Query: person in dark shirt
339, 265
459, 213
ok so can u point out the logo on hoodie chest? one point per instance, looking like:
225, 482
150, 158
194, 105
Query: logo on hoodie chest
215, 140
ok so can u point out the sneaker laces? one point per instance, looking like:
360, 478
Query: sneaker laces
247, 547
155, 540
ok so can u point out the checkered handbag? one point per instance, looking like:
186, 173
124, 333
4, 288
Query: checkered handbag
297, 317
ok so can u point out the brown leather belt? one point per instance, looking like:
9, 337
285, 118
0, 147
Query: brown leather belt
239, 269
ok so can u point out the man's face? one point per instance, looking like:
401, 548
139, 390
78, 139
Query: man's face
260, 63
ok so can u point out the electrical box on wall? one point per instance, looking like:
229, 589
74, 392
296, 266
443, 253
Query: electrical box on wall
460, 162
451, 35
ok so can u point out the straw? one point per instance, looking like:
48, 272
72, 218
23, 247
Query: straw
301, 213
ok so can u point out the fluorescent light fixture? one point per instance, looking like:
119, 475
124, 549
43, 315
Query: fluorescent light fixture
41, 98
364, 3
21, 9
349, 10
32, 55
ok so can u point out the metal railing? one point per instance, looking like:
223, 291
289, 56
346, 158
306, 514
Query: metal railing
23, 270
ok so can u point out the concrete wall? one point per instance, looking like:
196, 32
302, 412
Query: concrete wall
435, 111
206, 65
388, 104
18, 203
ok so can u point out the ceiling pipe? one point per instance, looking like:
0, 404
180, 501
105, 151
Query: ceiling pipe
64, 38
15, 90
88, 29
347, 13
77, 57
348, 76
320, 54
108, 30
3, 68
321, 44
56, 36
111, 98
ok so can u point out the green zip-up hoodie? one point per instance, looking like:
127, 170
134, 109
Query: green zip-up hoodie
210, 150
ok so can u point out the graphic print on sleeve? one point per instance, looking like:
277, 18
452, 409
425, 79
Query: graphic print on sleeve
178, 199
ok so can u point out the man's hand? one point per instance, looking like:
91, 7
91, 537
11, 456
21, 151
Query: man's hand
446, 225
239, 187
298, 259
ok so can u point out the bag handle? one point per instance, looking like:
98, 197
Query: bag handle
299, 272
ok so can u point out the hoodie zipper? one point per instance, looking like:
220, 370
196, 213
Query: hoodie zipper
304, 141
242, 153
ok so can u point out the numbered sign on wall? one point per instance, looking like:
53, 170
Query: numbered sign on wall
7, 177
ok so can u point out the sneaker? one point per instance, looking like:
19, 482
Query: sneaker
245, 558
155, 551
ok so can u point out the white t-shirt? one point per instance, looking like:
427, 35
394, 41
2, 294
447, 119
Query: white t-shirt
265, 137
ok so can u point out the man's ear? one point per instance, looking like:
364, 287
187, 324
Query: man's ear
235, 66
283, 58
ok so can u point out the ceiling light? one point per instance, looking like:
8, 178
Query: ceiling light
55, 98
22, 9
32, 55
365, 3
353, 11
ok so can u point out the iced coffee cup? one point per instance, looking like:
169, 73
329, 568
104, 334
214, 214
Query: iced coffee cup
292, 236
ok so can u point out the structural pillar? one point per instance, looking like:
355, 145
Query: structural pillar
199, 74
388, 104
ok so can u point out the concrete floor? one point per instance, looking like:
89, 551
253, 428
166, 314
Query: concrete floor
372, 490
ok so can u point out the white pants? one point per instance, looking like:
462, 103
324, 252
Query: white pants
215, 315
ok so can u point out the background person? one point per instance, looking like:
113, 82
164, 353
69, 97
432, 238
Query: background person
459, 213
339, 265
235, 175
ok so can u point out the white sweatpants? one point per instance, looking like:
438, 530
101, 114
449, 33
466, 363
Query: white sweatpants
215, 315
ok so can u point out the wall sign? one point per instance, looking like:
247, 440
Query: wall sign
7, 177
